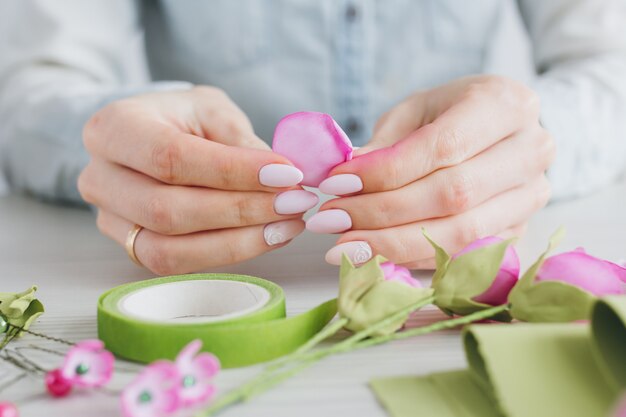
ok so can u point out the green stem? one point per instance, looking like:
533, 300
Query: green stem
347, 343
270, 377
440, 325
325, 333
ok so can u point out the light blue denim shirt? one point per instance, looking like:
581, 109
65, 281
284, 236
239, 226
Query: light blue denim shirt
62, 60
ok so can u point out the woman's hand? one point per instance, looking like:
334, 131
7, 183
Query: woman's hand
188, 167
463, 160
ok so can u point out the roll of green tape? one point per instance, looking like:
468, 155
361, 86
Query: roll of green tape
241, 319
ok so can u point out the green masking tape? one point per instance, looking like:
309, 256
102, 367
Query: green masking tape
239, 318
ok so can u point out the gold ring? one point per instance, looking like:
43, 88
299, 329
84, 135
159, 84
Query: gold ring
130, 243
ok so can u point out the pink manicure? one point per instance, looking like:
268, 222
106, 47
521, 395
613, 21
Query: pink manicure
358, 252
329, 221
281, 232
341, 184
280, 175
294, 201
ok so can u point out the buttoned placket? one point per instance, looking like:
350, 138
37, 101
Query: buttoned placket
350, 77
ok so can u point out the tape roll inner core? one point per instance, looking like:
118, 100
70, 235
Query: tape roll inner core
198, 301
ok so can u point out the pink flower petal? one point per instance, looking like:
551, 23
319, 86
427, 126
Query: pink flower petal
196, 371
154, 393
87, 364
313, 142
584, 271
507, 276
393, 272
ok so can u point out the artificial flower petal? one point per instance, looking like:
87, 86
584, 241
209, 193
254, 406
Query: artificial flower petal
549, 300
88, 364
393, 272
196, 372
155, 392
584, 271
20, 310
476, 278
313, 142
507, 275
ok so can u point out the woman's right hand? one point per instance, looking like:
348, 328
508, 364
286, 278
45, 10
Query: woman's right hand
188, 167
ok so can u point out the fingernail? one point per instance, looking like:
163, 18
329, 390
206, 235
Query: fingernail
341, 184
281, 232
329, 221
358, 252
280, 175
295, 201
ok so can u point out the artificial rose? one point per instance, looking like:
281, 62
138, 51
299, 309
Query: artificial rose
313, 142
478, 277
507, 275
564, 287
367, 295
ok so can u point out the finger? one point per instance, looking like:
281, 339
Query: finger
218, 118
403, 244
486, 114
176, 210
397, 123
169, 156
167, 255
506, 165
513, 232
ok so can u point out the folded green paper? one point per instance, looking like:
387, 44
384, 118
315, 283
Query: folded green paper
522, 370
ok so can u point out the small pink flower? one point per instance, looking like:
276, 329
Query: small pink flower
584, 271
196, 372
154, 393
399, 273
505, 280
88, 364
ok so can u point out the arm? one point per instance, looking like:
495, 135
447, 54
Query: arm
580, 54
59, 64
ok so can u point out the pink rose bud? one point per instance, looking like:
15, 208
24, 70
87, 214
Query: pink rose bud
399, 273
507, 276
584, 271
313, 142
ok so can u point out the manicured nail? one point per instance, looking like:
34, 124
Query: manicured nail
358, 252
295, 201
341, 184
280, 175
283, 231
329, 221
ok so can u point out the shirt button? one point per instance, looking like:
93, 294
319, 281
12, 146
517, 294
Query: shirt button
351, 13
353, 125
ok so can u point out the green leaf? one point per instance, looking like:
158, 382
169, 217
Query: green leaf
13, 305
365, 298
522, 293
441, 259
552, 301
469, 276
383, 300
529, 276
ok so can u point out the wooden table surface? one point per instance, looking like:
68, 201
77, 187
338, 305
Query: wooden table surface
61, 251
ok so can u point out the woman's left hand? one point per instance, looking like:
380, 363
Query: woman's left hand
463, 160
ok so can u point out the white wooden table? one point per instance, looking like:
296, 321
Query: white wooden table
61, 251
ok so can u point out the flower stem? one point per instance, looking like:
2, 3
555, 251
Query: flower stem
270, 376
325, 333
440, 325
